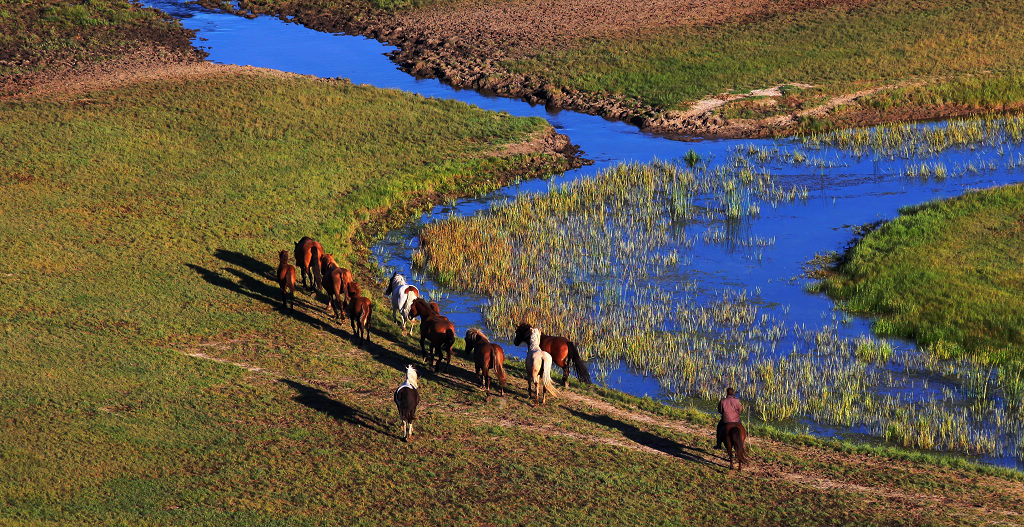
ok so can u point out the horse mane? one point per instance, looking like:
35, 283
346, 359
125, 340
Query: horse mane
474, 332
411, 378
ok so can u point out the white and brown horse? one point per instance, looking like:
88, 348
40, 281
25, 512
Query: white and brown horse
487, 355
563, 352
402, 296
407, 398
538, 370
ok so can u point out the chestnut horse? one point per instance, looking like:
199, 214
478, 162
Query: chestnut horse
562, 352
486, 356
407, 398
334, 283
538, 370
307, 257
436, 329
402, 296
353, 291
359, 311
286, 279
736, 438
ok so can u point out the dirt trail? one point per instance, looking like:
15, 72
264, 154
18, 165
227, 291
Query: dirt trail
964, 506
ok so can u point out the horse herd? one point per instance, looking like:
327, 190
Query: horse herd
344, 298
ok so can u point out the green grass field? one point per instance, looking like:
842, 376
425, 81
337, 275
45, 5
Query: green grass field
140, 226
948, 274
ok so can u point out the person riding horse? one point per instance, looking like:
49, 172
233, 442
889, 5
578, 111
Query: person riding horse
730, 408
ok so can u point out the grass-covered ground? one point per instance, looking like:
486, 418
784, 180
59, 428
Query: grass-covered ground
36, 35
949, 274
140, 228
867, 61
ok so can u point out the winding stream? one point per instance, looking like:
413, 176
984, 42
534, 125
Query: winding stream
851, 191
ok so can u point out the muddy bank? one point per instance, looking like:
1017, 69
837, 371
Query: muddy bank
463, 48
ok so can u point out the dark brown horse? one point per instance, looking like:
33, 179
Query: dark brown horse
286, 279
359, 311
736, 439
486, 355
436, 329
334, 285
562, 353
307, 257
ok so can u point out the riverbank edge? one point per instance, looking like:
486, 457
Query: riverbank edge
425, 56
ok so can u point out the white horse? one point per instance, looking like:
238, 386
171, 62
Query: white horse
402, 296
538, 370
407, 397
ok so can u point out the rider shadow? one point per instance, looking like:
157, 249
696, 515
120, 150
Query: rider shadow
318, 400
647, 439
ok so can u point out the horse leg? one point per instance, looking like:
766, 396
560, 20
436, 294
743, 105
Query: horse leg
565, 370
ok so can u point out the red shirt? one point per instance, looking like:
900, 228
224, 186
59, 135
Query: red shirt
730, 408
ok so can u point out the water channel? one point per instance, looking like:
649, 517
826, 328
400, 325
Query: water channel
843, 191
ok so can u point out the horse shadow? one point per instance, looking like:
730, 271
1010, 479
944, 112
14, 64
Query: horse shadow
318, 400
642, 437
257, 290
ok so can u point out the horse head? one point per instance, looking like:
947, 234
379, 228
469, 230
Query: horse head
411, 378
534, 339
393, 283
283, 256
353, 290
522, 334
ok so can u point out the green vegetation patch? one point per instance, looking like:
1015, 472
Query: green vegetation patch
835, 47
36, 34
949, 274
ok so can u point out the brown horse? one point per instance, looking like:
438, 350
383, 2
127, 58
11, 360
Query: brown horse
334, 285
436, 329
353, 291
736, 438
486, 355
307, 257
327, 261
286, 279
562, 352
359, 311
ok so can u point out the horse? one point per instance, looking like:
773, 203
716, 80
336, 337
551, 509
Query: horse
436, 329
486, 355
359, 311
736, 438
353, 291
538, 370
286, 279
562, 352
407, 397
402, 296
333, 283
327, 261
307, 257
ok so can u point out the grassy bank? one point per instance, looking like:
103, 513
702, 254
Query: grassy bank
947, 274
48, 34
140, 228
835, 48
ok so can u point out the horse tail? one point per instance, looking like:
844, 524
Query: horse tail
314, 265
546, 374
736, 436
578, 364
498, 360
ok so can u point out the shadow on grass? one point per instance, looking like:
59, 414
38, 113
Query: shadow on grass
253, 278
647, 439
318, 400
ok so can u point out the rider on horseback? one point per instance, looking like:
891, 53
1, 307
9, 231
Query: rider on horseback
730, 408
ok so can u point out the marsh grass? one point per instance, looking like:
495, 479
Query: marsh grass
591, 260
